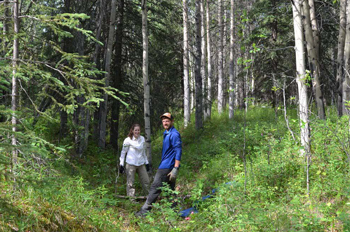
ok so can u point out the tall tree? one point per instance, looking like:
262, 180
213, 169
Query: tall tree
203, 60
300, 72
209, 63
187, 97
346, 82
199, 92
340, 56
220, 58
14, 94
232, 62
108, 59
313, 59
146, 85
117, 80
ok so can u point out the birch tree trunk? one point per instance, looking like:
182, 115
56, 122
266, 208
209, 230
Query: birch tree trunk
187, 97
232, 65
14, 94
104, 104
220, 59
5, 26
315, 29
300, 68
346, 82
209, 81
203, 61
340, 56
199, 100
146, 86
313, 60
300, 78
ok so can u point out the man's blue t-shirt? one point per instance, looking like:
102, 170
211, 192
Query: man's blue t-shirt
172, 148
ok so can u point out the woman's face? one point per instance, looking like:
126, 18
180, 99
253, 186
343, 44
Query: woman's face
136, 131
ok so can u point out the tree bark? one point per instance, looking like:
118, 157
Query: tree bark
203, 60
315, 28
199, 100
340, 56
220, 59
117, 80
300, 78
146, 85
346, 82
232, 63
209, 76
187, 97
14, 94
313, 60
104, 104
6, 26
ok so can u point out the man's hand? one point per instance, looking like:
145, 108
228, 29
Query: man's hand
121, 169
173, 174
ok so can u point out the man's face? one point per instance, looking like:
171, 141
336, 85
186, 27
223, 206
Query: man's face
167, 123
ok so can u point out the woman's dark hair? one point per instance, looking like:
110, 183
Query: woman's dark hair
131, 132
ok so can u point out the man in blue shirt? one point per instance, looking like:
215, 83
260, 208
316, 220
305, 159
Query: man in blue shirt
169, 165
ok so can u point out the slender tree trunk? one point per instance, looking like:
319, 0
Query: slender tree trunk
315, 29
187, 100
209, 81
82, 114
192, 81
203, 61
220, 59
146, 85
199, 100
340, 56
346, 82
313, 60
117, 80
232, 65
300, 69
6, 26
14, 99
96, 59
104, 104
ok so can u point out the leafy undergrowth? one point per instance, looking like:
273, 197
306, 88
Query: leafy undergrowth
252, 163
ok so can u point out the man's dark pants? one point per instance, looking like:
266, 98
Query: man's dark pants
160, 179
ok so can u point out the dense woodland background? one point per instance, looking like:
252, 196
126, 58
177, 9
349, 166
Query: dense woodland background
259, 90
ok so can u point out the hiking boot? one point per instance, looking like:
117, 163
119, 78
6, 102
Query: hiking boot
144, 210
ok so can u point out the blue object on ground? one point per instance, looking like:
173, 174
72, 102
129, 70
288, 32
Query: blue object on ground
187, 212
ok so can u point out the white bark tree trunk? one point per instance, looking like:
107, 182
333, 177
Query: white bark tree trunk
346, 82
209, 81
340, 56
203, 61
220, 59
146, 86
232, 63
199, 92
14, 94
187, 97
300, 78
313, 60
315, 28
104, 104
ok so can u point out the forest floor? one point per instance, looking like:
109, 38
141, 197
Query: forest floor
252, 162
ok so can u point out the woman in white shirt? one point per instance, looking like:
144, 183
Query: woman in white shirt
136, 160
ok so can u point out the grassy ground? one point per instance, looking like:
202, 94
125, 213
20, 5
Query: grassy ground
252, 162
